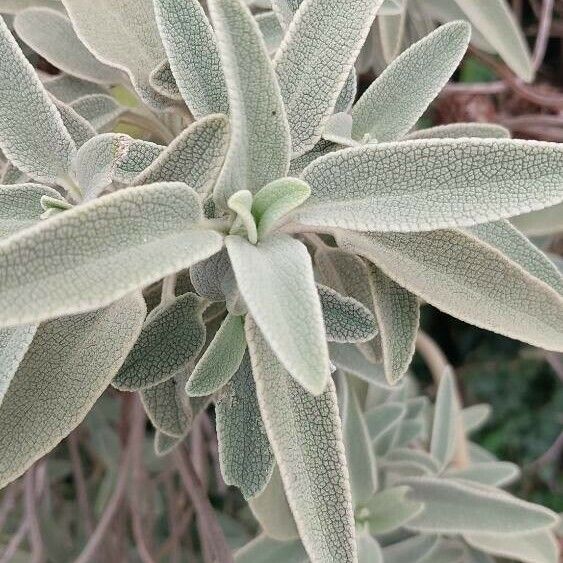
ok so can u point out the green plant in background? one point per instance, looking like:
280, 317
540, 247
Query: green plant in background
276, 232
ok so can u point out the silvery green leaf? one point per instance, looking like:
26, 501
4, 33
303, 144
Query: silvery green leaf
221, 359
485, 509
495, 473
349, 359
164, 444
168, 407
20, 206
206, 276
79, 129
16, 6
69, 364
496, 22
478, 454
123, 35
50, 33
296, 423
245, 455
299, 164
540, 547
412, 550
539, 223
245, 224
67, 88
383, 424
467, 278
32, 134
315, 59
267, 550
163, 81
389, 510
474, 556
338, 129
348, 93
411, 455
186, 35
384, 112
275, 278
446, 420
285, 10
172, 336
271, 30
12, 175
397, 312
475, 416
457, 130
391, 29
90, 265
14, 343
359, 453
449, 552
391, 7
275, 200
100, 110
272, 511
260, 145
369, 550
431, 184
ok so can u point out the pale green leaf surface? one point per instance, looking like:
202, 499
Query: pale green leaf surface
268, 550
163, 81
431, 184
85, 265
79, 129
418, 457
172, 336
348, 93
68, 88
241, 203
385, 112
259, 149
478, 454
467, 279
285, 10
444, 425
475, 416
164, 444
413, 550
16, 6
206, 276
383, 424
369, 550
494, 473
275, 278
100, 110
315, 60
271, 30
457, 130
12, 175
32, 134
305, 435
543, 222
245, 455
391, 34
338, 129
69, 364
186, 34
299, 163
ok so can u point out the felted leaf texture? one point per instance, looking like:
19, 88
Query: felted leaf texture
544, 222
245, 455
271, 30
348, 358
431, 184
32, 134
100, 110
297, 424
186, 34
457, 130
384, 112
412, 550
16, 6
207, 276
67, 88
493, 473
259, 149
163, 81
264, 549
275, 279
468, 279
85, 265
315, 59
79, 129
69, 364
50, 33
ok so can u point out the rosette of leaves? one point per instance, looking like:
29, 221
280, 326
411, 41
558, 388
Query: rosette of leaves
296, 260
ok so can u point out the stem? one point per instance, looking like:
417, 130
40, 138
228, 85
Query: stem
15, 542
34, 531
80, 483
168, 289
542, 37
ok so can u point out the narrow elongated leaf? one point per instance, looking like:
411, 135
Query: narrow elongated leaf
384, 112
315, 60
78, 128
271, 30
298, 424
412, 550
259, 148
391, 29
12, 175
538, 223
475, 416
50, 33
186, 34
348, 93
69, 364
485, 509
494, 473
369, 550
172, 337
100, 110
446, 413
383, 423
67, 88
32, 134
468, 279
20, 206
267, 550
246, 458
397, 313
457, 130
14, 342
285, 10
221, 359
431, 184
349, 359
163, 81
418, 457
275, 278
75, 263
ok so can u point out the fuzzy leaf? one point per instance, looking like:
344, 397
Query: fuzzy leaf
67, 88
207, 276
186, 34
475, 416
494, 473
32, 134
384, 112
267, 550
383, 424
259, 149
298, 424
417, 457
221, 359
431, 184
544, 222
246, 459
75, 263
275, 279
69, 364
468, 279
164, 444
412, 550
100, 110
397, 312
369, 550
16, 6
50, 33
349, 359
271, 30
485, 509
457, 130
80, 129
315, 60
163, 81
172, 336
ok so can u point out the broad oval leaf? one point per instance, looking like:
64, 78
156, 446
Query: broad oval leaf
75, 263
207, 276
